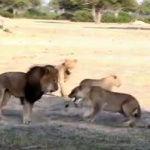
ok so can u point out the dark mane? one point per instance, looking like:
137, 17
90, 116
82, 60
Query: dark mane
33, 90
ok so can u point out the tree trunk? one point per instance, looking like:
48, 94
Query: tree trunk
98, 17
94, 13
14, 12
116, 14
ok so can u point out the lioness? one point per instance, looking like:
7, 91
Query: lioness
64, 72
102, 99
106, 83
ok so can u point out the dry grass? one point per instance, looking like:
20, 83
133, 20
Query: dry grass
100, 52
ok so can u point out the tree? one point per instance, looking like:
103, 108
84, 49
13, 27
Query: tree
35, 3
19, 5
144, 8
100, 6
55, 5
68, 5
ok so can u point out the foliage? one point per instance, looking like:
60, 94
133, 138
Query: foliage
82, 16
121, 18
65, 16
145, 19
6, 13
144, 8
112, 4
54, 4
20, 4
35, 14
98, 6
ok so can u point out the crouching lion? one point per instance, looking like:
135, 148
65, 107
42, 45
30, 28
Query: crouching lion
28, 87
107, 83
102, 99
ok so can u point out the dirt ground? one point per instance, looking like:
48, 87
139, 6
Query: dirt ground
101, 50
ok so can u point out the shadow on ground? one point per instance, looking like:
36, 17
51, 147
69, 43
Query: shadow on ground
120, 28
54, 127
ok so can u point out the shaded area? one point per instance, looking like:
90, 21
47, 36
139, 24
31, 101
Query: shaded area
66, 137
63, 129
120, 28
57, 22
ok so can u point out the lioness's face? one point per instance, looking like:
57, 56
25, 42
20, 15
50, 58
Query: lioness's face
49, 82
116, 81
70, 63
77, 94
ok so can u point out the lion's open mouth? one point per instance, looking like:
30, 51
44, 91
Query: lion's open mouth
76, 100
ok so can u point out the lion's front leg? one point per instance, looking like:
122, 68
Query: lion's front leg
27, 110
95, 110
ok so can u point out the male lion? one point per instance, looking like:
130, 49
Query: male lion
106, 83
102, 99
64, 72
29, 87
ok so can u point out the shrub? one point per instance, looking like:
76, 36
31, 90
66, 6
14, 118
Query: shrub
121, 18
6, 13
7, 30
144, 19
35, 14
64, 16
82, 16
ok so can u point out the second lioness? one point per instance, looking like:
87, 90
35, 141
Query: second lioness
107, 83
64, 72
102, 99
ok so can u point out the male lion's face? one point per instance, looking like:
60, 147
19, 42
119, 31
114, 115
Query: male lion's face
49, 81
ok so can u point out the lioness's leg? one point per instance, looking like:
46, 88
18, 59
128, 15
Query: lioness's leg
62, 89
2, 91
27, 109
127, 109
95, 111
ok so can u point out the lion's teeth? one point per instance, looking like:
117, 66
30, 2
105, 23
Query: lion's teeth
73, 99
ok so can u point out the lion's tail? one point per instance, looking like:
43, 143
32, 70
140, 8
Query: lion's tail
137, 112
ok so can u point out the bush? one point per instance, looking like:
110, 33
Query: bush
121, 18
35, 14
6, 13
64, 16
144, 19
82, 16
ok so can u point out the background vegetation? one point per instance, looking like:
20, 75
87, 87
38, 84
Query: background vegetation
78, 10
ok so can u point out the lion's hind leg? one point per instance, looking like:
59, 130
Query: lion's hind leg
129, 109
7, 96
2, 91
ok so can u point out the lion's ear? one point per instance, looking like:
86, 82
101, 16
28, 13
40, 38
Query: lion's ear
115, 77
81, 87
